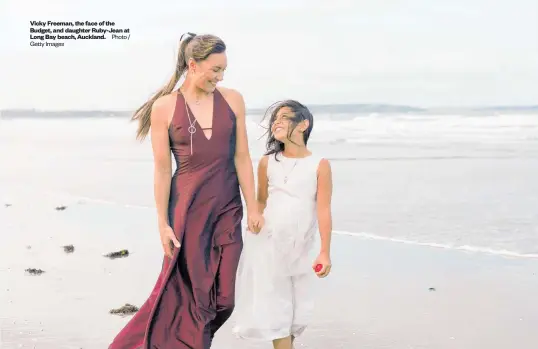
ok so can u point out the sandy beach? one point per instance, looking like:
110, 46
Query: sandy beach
451, 266
380, 295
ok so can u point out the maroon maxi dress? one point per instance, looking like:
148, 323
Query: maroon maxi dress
194, 294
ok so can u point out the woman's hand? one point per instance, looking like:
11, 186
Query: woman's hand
168, 240
255, 222
324, 260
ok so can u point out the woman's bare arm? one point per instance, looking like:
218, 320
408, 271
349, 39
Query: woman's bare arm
243, 162
160, 115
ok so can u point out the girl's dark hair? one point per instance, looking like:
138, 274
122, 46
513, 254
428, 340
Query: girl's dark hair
300, 113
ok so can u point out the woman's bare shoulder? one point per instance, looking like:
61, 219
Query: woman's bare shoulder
163, 107
234, 99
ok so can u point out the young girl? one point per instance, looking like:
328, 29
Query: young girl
274, 289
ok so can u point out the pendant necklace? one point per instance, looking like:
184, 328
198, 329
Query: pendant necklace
287, 175
192, 127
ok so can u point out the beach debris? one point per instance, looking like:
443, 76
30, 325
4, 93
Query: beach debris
431, 289
69, 248
34, 271
7, 205
61, 208
117, 254
127, 309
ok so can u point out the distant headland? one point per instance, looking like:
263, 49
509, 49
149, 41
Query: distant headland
333, 109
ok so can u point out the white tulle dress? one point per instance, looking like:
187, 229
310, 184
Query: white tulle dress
274, 297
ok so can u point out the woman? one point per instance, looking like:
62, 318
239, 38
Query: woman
199, 207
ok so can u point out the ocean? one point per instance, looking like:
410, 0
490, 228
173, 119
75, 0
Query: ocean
452, 181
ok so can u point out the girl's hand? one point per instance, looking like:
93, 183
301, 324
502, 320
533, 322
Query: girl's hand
255, 222
168, 240
325, 261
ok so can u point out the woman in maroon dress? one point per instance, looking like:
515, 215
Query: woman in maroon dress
199, 206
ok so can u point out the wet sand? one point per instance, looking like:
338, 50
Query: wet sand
381, 294
456, 184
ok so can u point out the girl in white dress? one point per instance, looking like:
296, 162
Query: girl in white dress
274, 290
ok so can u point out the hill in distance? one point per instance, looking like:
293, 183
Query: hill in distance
333, 109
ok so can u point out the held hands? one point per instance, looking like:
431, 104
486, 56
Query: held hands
324, 262
255, 222
168, 240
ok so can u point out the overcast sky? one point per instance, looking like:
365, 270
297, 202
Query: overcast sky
414, 52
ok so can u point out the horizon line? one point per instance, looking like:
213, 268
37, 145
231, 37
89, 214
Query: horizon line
312, 105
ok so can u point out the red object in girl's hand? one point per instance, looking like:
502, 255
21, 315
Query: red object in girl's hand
318, 268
